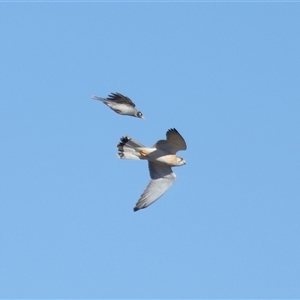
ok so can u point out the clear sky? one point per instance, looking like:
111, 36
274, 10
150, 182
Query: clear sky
225, 75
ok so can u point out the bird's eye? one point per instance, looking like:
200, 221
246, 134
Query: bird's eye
139, 114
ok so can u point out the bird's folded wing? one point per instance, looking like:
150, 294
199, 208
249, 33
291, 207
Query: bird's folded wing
120, 99
116, 98
162, 178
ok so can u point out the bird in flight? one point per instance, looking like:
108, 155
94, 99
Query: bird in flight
120, 104
161, 157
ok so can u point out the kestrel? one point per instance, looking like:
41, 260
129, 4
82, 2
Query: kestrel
120, 104
161, 157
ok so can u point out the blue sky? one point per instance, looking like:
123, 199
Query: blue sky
225, 75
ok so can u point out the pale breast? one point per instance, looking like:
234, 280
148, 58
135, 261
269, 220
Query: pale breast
163, 158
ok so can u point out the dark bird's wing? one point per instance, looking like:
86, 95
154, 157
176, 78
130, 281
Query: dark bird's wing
116, 98
174, 142
121, 99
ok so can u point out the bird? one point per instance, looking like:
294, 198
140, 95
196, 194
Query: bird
161, 157
121, 104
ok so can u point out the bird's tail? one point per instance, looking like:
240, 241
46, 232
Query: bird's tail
98, 98
129, 148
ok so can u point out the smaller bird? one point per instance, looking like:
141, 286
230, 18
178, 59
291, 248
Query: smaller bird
161, 157
121, 104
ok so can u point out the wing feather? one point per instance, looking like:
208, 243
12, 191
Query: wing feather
174, 142
162, 178
121, 99
116, 98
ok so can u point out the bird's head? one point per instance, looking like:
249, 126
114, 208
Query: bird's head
180, 161
139, 115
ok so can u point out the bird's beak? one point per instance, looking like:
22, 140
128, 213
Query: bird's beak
142, 117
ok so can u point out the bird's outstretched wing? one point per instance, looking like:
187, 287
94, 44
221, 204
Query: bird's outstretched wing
174, 142
162, 178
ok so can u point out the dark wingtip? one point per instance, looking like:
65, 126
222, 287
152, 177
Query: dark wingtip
172, 129
136, 209
114, 96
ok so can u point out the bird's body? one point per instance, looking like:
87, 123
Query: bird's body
120, 104
161, 157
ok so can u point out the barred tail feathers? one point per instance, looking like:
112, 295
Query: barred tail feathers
129, 148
